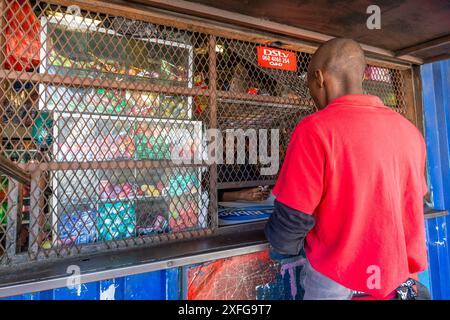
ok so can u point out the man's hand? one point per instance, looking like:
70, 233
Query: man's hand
254, 194
248, 194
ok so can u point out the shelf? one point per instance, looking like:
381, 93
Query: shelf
133, 198
264, 104
245, 184
77, 82
430, 213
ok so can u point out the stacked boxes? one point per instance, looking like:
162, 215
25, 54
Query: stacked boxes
117, 220
78, 227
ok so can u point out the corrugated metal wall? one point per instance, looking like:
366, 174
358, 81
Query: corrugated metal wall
436, 107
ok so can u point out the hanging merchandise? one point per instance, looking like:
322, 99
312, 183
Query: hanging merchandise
22, 34
42, 129
201, 102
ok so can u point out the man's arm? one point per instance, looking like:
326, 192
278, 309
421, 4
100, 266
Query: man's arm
286, 230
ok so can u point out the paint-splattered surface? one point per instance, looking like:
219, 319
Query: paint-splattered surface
247, 277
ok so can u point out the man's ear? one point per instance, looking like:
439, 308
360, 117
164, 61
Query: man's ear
318, 77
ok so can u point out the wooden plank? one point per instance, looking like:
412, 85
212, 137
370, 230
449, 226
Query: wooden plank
408, 91
83, 82
437, 58
417, 89
424, 46
260, 31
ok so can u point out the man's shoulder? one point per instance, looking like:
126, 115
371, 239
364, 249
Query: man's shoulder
311, 123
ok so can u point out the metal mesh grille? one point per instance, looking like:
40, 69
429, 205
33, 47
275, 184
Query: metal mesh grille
94, 106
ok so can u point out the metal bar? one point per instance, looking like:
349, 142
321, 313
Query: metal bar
434, 213
145, 86
139, 85
14, 209
268, 99
116, 164
212, 64
13, 170
35, 212
19, 217
3, 6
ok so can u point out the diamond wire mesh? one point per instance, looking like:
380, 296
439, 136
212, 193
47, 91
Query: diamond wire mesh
95, 105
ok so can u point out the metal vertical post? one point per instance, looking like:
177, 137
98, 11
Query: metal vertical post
3, 7
14, 209
35, 212
213, 125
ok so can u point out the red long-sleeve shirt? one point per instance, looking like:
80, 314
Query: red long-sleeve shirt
358, 167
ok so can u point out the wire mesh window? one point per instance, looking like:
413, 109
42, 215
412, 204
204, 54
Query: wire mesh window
94, 106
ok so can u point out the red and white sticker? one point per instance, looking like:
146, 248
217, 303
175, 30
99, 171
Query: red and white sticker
276, 59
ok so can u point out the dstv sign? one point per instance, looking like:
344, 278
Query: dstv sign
276, 58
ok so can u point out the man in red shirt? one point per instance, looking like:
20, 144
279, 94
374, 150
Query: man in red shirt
350, 191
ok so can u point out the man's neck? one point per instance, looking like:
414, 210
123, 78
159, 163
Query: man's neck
357, 89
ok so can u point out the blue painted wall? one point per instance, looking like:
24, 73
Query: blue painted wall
436, 107
158, 285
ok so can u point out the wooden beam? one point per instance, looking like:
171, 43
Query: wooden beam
208, 12
423, 46
417, 89
11, 169
85, 82
437, 58
223, 23
408, 91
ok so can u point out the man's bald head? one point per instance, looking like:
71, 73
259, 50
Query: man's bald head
336, 68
